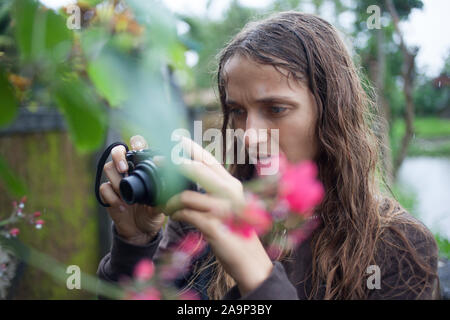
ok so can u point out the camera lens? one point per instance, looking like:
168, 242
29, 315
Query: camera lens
132, 189
141, 185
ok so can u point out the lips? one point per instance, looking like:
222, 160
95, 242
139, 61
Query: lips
270, 165
264, 162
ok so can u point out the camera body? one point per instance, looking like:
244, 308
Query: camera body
147, 183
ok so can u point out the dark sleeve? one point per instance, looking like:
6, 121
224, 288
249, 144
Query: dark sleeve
402, 278
120, 262
276, 287
124, 256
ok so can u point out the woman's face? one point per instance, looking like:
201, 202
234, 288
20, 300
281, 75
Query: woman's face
260, 97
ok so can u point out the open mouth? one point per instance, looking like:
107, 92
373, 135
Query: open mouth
264, 161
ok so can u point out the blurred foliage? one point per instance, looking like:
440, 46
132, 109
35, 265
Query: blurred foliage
432, 136
429, 127
85, 71
116, 70
119, 60
207, 37
444, 246
432, 98
59, 185
13, 184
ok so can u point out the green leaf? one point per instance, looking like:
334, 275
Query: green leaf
158, 20
40, 33
108, 73
10, 181
8, 105
177, 58
83, 112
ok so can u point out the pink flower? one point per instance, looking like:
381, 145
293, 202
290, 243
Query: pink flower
299, 187
144, 270
37, 214
39, 223
240, 227
14, 232
254, 218
148, 294
192, 244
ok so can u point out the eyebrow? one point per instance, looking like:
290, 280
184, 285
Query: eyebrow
266, 101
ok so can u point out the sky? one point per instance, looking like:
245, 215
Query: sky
430, 29
424, 28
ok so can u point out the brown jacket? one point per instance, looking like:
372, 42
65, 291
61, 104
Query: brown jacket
289, 279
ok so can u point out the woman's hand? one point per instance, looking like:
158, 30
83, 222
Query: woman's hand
137, 224
244, 259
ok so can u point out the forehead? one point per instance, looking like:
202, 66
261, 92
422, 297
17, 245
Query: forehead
244, 77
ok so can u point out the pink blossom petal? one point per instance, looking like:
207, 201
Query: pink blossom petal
299, 187
240, 227
39, 224
144, 270
14, 232
192, 244
254, 219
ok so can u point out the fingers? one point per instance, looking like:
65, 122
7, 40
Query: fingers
204, 175
138, 142
109, 196
212, 182
119, 163
113, 176
197, 153
118, 153
118, 207
209, 227
118, 159
220, 208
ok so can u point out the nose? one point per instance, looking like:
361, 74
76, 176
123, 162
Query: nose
257, 133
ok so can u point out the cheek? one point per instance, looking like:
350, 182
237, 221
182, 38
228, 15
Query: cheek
297, 139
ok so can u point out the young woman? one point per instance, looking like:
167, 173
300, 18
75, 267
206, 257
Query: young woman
290, 72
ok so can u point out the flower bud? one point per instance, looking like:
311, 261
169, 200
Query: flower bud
14, 232
39, 224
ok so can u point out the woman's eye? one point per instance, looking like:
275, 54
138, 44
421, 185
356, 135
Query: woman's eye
276, 110
237, 111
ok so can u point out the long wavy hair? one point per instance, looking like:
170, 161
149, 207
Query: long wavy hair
360, 222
